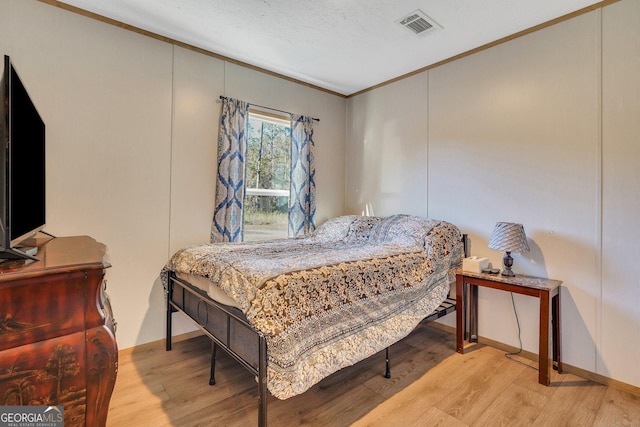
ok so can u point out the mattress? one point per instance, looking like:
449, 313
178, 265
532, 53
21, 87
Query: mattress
211, 288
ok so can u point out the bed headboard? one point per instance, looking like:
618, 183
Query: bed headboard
465, 244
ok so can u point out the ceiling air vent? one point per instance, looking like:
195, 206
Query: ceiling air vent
418, 23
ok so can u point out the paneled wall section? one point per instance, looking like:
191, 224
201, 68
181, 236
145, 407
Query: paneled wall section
132, 128
541, 130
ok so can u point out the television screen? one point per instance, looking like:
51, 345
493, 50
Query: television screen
26, 162
22, 163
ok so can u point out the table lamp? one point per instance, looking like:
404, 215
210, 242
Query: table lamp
508, 237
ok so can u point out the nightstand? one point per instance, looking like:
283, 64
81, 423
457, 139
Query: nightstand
547, 290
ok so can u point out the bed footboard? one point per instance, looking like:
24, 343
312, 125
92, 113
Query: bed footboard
228, 329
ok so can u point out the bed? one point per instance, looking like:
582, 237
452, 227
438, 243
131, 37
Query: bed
293, 311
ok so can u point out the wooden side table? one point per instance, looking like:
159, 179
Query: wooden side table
547, 290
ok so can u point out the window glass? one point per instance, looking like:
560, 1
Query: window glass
268, 164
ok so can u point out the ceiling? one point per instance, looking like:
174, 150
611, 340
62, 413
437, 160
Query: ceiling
343, 46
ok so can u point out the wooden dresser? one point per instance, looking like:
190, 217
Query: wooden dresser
57, 333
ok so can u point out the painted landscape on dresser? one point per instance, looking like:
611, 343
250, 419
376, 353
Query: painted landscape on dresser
46, 373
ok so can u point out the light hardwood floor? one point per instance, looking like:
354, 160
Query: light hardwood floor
431, 385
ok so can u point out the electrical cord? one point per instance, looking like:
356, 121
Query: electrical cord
510, 354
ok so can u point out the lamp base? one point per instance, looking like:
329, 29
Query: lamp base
507, 262
508, 273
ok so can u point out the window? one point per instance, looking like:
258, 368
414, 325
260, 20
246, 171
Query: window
268, 165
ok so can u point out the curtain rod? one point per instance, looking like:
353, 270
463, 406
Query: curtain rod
269, 108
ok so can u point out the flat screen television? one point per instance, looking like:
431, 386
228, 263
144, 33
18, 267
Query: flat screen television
22, 167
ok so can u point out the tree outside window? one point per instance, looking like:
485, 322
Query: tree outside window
268, 165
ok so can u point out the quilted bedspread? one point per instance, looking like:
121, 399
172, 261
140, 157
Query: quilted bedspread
324, 302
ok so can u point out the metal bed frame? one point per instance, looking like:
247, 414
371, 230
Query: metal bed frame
228, 328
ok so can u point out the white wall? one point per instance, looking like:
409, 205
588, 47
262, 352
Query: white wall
618, 351
387, 150
132, 126
522, 128
541, 130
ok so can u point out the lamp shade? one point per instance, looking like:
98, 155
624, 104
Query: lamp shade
509, 237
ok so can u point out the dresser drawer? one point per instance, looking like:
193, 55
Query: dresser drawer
33, 310
50, 372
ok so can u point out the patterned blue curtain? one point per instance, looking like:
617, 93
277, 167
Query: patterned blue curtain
302, 197
232, 148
